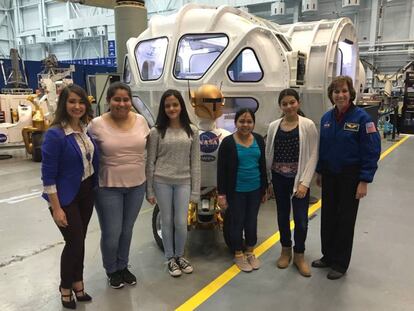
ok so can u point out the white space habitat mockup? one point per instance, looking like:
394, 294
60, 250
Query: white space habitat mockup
249, 58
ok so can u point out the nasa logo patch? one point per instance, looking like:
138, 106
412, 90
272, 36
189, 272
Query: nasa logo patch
209, 142
3, 138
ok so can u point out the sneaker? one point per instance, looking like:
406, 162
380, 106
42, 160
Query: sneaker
184, 265
242, 263
173, 267
128, 277
115, 280
253, 261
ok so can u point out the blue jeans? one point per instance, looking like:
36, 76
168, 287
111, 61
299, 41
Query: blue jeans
173, 202
117, 209
283, 189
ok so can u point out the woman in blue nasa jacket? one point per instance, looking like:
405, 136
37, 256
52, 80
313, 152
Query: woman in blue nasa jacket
349, 150
69, 173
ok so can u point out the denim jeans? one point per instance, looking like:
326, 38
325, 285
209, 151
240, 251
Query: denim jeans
173, 201
283, 189
244, 208
117, 209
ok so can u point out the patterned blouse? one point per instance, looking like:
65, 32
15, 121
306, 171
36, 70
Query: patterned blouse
286, 152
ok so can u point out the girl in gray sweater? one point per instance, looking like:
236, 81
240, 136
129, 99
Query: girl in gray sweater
173, 175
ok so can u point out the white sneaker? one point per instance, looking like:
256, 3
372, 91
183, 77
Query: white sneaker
173, 267
184, 265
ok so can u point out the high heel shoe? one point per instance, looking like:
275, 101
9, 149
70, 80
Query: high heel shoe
84, 297
71, 304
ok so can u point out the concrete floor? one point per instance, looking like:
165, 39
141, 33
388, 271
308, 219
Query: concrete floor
381, 276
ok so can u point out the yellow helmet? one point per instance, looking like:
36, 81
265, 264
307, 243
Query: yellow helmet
207, 101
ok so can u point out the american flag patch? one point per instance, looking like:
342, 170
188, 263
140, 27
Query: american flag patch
370, 127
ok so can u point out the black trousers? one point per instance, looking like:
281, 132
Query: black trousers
78, 213
339, 212
244, 208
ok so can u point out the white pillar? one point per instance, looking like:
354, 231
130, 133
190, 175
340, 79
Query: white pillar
130, 21
296, 13
411, 28
373, 24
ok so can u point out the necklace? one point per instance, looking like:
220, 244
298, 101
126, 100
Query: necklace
88, 151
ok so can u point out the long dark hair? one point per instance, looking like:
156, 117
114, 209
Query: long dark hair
163, 121
117, 86
61, 114
242, 111
290, 92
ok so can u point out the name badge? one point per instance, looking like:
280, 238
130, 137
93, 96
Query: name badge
353, 127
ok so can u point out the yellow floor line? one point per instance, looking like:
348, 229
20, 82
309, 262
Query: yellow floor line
391, 149
209, 290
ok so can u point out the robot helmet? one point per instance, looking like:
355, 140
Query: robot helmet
207, 101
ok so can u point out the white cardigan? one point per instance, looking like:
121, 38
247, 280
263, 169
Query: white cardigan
308, 150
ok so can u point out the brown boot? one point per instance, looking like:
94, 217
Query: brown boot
301, 264
285, 258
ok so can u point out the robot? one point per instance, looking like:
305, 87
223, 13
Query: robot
208, 102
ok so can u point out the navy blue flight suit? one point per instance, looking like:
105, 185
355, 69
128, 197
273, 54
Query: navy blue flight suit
348, 153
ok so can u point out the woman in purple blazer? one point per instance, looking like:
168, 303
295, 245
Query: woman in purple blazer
69, 170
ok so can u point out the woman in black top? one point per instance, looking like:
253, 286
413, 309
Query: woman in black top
241, 184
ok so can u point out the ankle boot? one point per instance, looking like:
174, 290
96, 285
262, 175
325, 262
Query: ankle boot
242, 263
285, 258
301, 264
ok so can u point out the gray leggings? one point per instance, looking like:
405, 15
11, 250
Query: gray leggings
173, 201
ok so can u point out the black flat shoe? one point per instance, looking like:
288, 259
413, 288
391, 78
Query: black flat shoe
71, 304
318, 263
84, 297
334, 275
